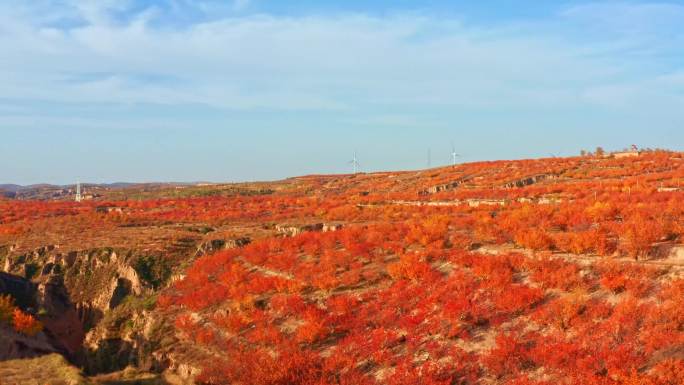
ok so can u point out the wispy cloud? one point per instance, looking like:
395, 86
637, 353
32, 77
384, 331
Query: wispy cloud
603, 54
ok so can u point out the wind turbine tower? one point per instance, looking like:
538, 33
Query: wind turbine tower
79, 197
454, 155
355, 163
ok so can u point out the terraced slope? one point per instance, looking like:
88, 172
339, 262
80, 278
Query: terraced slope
520, 272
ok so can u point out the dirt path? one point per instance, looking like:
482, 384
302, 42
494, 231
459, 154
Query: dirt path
501, 249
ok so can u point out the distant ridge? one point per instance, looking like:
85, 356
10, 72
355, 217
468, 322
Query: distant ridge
11, 187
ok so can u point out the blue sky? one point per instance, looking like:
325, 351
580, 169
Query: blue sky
179, 90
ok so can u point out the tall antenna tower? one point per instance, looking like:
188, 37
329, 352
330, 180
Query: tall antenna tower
79, 197
454, 155
355, 163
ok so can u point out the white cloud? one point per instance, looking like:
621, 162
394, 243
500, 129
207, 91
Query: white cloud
329, 62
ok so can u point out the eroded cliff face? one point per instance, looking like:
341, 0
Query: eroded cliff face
90, 301
98, 305
15, 345
94, 281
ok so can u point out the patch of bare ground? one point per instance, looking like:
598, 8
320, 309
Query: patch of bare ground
674, 261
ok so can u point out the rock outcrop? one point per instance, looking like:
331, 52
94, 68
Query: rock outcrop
214, 245
48, 300
446, 186
530, 180
79, 296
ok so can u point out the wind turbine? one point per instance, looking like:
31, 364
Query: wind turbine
355, 163
454, 155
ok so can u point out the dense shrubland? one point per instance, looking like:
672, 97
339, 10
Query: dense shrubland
553, 271
400, 306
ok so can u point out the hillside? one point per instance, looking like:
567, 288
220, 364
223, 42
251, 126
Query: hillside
540, 271
49, 369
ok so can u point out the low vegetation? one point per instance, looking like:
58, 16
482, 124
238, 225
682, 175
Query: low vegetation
531, 272
20, 321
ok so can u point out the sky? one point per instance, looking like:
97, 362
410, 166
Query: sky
242, 90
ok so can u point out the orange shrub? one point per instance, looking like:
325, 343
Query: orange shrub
534, 239
640, 234
508, 357
411, 267
26, 323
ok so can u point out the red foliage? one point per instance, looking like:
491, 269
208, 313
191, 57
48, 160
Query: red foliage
640, 233
21, 322
509, 357
26, 323
535, 239
412, 267
395, 297
556, 273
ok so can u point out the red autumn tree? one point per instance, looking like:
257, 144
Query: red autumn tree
26, 323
